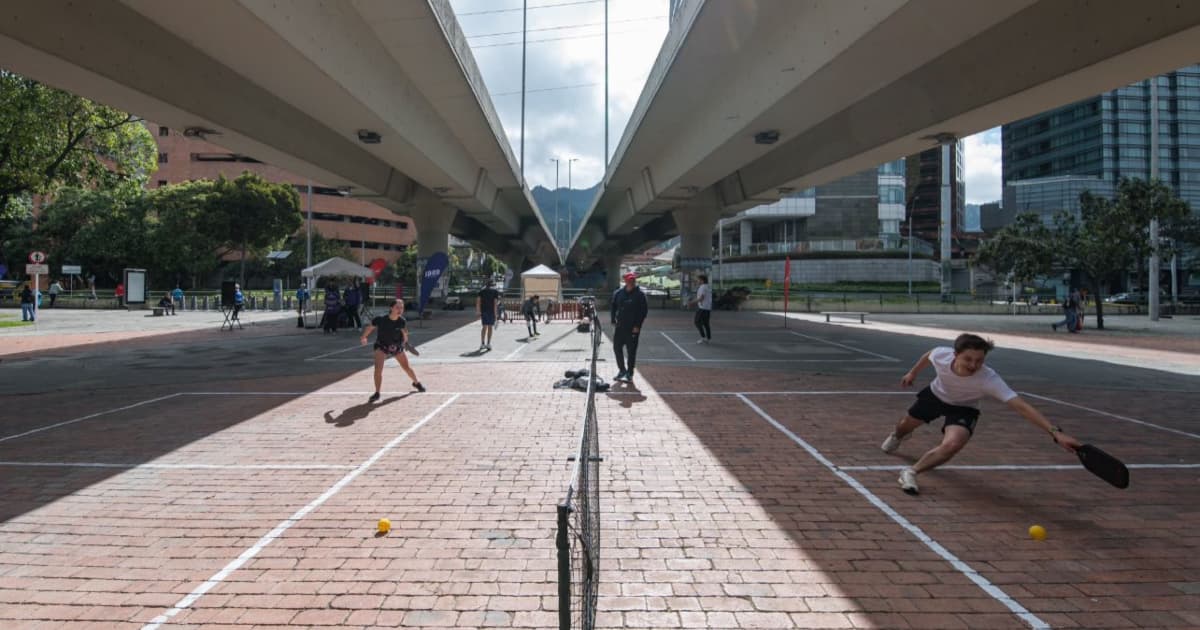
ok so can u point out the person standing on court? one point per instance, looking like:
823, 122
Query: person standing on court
530, 310
390, 342
961, 381
55, 289
333, 308
120, 293
27, 304
487, 307
629, 310
703, 304
353, 300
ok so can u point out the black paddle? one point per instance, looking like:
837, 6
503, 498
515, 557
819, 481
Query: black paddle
1103, 465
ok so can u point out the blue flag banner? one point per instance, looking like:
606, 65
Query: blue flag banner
434, 269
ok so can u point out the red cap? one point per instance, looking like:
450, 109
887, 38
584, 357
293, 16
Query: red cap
630, 276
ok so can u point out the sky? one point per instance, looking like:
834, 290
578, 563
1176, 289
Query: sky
564, 110
565, 50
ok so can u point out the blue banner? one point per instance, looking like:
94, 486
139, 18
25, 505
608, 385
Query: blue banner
434, 268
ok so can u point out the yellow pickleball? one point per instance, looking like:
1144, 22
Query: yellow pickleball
385, 526
1037, 532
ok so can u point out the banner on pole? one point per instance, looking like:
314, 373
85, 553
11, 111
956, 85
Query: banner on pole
434, 268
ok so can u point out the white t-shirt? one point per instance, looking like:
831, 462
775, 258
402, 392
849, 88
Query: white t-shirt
965, 391
704, 295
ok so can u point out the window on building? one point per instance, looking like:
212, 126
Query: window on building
164, 131
162, 182
403, 225
162, 158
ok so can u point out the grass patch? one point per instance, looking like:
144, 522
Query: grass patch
12, 323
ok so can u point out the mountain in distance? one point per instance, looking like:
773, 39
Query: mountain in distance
573, 205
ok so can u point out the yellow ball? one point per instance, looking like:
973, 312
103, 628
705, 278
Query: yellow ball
385, 526
1037, 532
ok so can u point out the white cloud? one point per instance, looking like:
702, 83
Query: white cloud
562, 51
983, 166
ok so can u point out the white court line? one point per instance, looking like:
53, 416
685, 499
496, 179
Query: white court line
829, 392
1017, 467
518, 350
282, 527
1113, 415
179, 466
87, 417
827, 361
964, 568
834, 343
677, 346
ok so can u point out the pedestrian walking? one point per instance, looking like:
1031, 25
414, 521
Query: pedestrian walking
1071, 306
120, 293
177, 296
529, 308
27, 304
629, 310
390, 342
55, 289
703, 304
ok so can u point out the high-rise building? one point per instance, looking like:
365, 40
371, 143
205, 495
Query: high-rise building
371, 232
924, 192
865, 206
1050, 158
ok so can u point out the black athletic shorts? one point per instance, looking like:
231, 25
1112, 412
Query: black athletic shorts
929, 408
389, 349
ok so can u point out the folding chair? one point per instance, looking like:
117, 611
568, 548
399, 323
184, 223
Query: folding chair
231, 318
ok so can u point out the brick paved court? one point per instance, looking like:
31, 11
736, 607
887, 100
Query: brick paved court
236, 482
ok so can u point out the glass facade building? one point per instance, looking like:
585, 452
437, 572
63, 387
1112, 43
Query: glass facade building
1052, 157
924, 192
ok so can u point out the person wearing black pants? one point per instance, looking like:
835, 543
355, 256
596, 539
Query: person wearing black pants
703, 304
629, 309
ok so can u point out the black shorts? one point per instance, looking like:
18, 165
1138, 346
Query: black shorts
929, 408
391, 349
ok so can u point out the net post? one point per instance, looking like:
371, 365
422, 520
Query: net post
563, 542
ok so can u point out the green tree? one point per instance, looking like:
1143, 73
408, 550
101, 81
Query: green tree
1112, 236
50, 138
179, 245
249, 214
103, 230
406, 267
1022, 250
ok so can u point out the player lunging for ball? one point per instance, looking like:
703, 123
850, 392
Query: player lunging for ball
961, 381
393, 337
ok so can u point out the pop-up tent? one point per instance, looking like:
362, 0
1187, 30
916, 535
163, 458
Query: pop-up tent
543, 282
336, 267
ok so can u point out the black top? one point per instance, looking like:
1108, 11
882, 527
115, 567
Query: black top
487, 300
629, 308
390, 332
26, 296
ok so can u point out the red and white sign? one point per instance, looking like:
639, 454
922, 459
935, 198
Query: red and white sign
37, 269
37, 258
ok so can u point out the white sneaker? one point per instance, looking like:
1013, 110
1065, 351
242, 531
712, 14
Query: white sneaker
701, 341
488, 346
908, 481
892, 442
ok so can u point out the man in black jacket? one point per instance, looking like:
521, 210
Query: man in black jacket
629, 310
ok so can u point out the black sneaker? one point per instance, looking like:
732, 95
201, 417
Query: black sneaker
420, 387
373, 398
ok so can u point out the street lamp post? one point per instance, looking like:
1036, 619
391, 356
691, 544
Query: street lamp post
557, 242
569, 191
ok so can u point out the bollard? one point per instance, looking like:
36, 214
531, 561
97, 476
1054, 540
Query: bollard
206, 302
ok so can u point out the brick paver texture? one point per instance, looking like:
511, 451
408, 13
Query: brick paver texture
711, 517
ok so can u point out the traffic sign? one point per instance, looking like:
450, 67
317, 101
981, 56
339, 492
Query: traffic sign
33, 269
72, 270
37, 258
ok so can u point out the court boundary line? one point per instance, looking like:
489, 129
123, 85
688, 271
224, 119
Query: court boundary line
842, 345
1112, 415
677, 346
327, 354
161, 466
983, 583
88, 417
1029, 467
247, 555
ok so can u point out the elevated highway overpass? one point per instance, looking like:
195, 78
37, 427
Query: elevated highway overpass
379, 97
749, 101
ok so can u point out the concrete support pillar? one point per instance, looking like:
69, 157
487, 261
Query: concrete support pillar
432, 220
747, 237
696, 222
612, 274
515, 264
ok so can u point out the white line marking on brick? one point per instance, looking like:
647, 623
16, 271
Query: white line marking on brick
852, 348
1113, 415
826, 361
518, 350
1015, 467
962, 567
178, 466
87, 417
677, 346
562, 392
282, 527
328, 354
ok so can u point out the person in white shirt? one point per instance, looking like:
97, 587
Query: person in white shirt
703, 304
961, 381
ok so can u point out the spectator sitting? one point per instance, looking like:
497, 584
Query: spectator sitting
166, 304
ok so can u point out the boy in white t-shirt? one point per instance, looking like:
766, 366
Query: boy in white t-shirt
961, 381
703, 304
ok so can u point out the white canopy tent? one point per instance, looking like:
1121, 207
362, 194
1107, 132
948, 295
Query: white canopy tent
335, 267
542, 281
